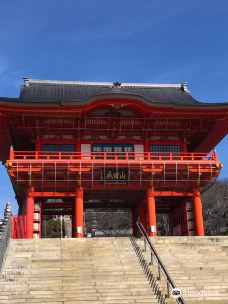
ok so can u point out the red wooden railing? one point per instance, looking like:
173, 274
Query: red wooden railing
119, 156
18, 227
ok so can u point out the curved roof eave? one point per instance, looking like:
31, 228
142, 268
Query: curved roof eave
69, 103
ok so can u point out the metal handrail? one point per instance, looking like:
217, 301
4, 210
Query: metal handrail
161, 267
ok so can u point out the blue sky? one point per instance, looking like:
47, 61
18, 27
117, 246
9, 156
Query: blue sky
165, 41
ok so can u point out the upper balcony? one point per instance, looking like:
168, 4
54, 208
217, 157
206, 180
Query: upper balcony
62, 171
113, 157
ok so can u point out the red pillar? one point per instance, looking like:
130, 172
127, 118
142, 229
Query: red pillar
152, 227
142, 213
198, 214
78, 229
29, 215
134, 219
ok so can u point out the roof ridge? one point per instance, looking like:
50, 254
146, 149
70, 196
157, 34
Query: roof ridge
28, 81
183, 86
152, 85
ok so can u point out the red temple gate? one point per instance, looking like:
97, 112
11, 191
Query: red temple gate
140, 146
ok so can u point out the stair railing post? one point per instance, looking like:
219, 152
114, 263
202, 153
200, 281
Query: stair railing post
168, 290
151, 258
159, 273
144, 245
161, 268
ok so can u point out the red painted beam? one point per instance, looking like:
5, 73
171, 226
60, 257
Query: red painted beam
53, 194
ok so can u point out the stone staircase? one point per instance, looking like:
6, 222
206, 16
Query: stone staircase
93, 271
107, 271
198, 266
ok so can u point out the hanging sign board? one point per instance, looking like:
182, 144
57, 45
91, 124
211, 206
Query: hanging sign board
115, 175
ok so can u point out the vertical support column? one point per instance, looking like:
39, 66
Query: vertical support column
198, 214
134, 219
11, 153
41, 228
78, 229
142, 214
152, 226
29, 214
73, 221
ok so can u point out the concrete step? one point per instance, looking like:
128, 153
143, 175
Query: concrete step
199, 266
107, 270
74, 271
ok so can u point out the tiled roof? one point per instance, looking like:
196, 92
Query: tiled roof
73, 91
